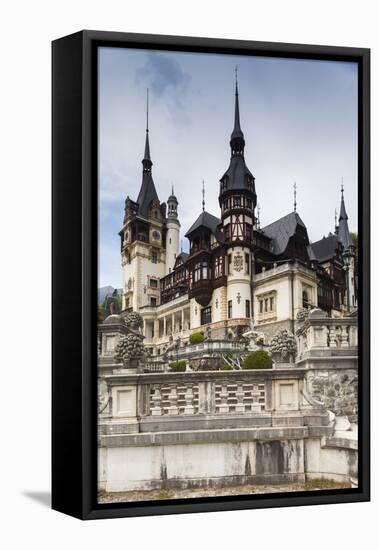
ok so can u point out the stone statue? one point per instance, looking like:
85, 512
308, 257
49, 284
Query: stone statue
283, 347
130, 349
255, 339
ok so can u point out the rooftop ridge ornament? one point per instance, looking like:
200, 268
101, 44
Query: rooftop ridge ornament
203, 202
294, 196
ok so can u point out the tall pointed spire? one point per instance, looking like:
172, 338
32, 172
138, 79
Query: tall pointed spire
237, 140
147, 193
343, 227
343, 215
147, 164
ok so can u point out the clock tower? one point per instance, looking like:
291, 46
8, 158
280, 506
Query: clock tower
143, 240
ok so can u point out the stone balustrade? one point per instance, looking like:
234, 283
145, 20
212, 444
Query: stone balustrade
324, 333
158, 401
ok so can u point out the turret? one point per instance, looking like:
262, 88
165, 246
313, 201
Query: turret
348, 254
238, 200
173, 232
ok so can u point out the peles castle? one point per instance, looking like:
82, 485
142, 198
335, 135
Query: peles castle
237, 275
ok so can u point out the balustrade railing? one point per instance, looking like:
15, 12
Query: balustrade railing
327, 333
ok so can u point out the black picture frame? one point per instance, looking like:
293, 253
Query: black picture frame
74, 272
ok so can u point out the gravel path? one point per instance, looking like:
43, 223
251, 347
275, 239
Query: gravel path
160, 494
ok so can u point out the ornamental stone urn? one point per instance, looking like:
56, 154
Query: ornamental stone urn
283, 348
130, 349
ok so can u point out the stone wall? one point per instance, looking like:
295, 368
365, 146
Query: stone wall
270, 329
337, 389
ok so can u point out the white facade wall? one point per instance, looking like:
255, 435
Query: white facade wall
239, 282
172, 244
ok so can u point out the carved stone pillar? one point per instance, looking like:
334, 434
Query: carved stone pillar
344, 337
332, 337
188, 396
224, 407
240, 407
173, 399
156, 410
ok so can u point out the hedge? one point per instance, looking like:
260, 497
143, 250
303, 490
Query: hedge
196, 338
178, 366
258, 359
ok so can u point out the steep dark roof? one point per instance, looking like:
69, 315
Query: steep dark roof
147, 193
324, 249
236, 173
282, 230
181, 258
205, 220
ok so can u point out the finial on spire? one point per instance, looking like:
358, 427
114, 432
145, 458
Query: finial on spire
181, 246
147, 109
203, 197
236, 73
342, 187
258, 216
335, 221
294, 196
172, 189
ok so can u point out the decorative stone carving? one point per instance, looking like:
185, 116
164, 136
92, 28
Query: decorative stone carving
302, 315
283, 347
130, 349
238, 262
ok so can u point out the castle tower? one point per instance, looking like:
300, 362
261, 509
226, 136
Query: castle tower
173, 232
238, 200
348, 254
142, 245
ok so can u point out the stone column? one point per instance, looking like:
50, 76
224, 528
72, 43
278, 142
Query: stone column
164, 326
182, 313
172, 323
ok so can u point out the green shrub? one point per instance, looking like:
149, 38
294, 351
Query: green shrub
225, 366
258, 359
178, 366
196, 338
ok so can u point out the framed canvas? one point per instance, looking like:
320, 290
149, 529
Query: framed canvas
210, 274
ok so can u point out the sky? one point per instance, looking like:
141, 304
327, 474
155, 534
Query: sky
299, 118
